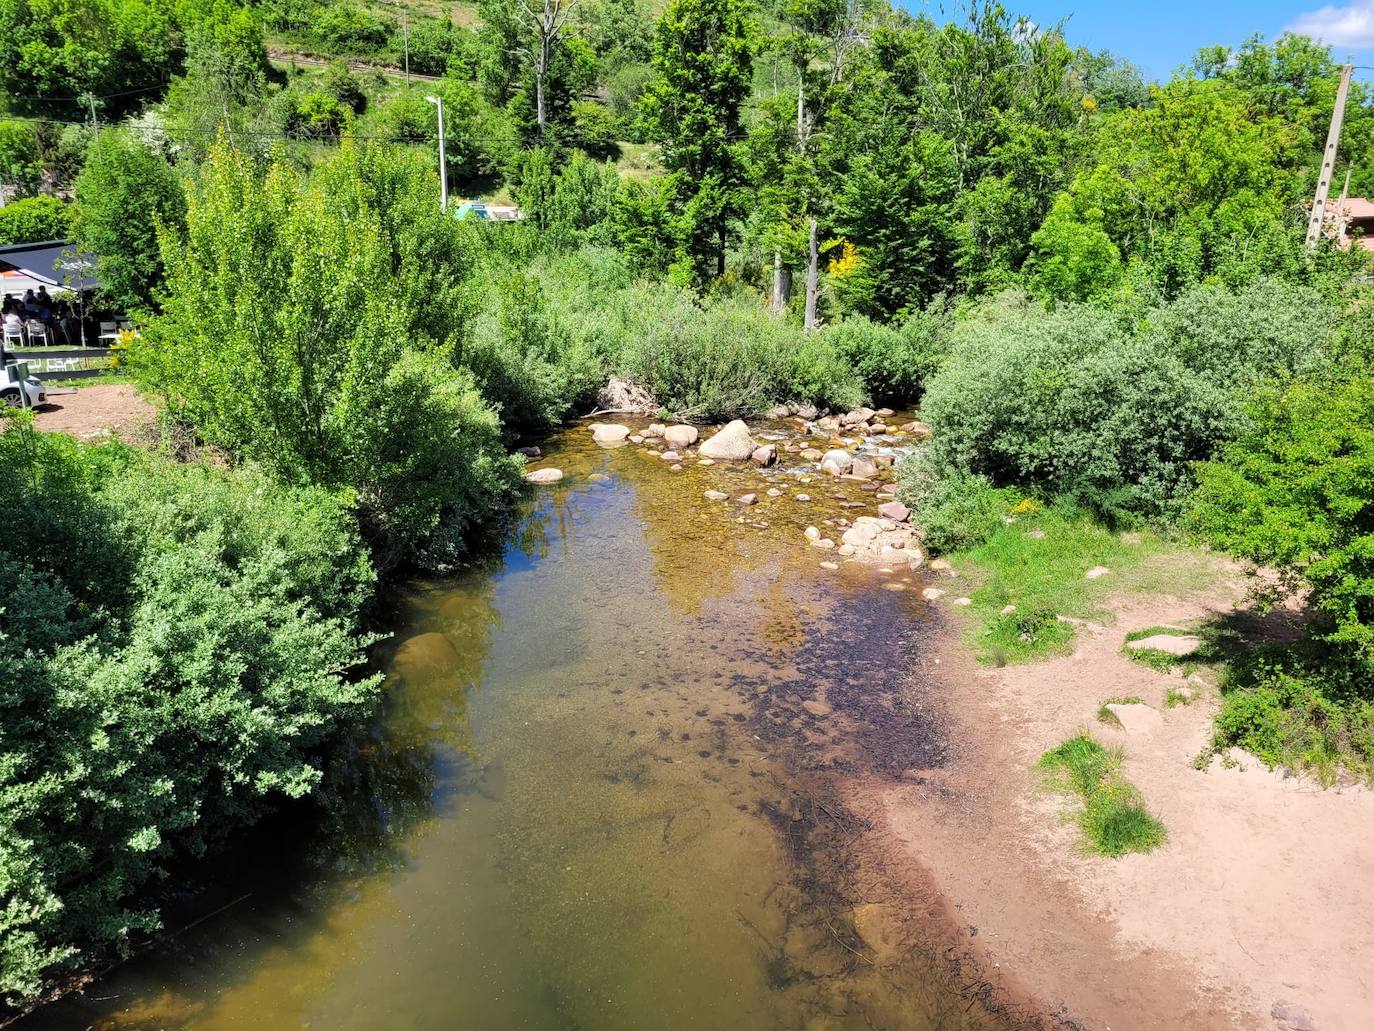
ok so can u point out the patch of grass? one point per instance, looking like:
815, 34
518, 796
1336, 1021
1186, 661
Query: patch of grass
1217, 644
1107, 716
1113, 819
1174, 698
1037, 562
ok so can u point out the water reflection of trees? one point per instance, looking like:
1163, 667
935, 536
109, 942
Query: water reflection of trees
418, 753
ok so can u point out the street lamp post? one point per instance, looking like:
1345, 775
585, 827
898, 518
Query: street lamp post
438, 102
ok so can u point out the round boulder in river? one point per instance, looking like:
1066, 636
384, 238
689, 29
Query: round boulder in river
732, 442
609, 432
544, 476
680, 436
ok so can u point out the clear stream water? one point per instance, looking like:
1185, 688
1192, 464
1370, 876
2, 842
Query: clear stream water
593, 798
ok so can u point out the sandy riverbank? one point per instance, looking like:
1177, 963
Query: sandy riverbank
1259, 902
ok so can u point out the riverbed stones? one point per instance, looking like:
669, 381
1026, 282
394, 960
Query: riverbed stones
706, 461
608, 432
803, 497
670, 456
917, 429
857, 417
823, 542
764, 455
715, 495
1135, 718
810, 454
816, 707
598, 478
731, 443
830, 565
863, 468
653, 430
544, 476
680, 436
529, 452
747, 499
813, 533
932, 594
894, 510
1170, 644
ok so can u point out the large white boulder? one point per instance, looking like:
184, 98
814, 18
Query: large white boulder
732, 442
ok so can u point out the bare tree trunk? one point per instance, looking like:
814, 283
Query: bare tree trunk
801, 111
777, 278
811, 276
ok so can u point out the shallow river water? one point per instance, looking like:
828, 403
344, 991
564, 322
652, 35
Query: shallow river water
593, 798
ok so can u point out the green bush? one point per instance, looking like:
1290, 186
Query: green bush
955, 510
1293, 493
175, 647
310, 326
33, 219
1074, 402
894, 361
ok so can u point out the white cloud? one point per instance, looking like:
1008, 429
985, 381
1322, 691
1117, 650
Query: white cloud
1349, 26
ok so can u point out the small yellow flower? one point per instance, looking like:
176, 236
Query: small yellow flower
1089, 104
1026, 506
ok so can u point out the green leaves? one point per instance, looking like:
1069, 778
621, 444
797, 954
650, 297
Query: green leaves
173, 648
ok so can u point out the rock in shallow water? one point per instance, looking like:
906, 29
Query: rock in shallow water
732, 443
680, 436
765, 455
608, 432
544, 476
894, 510
715, 495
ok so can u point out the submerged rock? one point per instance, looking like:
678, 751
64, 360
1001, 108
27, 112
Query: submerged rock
747, 499
732, 442
715, 495
425, 655
529, 452
544, 476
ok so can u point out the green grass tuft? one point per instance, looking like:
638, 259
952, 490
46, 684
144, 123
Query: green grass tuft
1113, 819
1174, 698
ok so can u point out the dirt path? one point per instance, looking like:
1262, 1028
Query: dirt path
1261, 897
95, 411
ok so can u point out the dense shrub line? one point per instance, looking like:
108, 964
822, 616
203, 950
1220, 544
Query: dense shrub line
175, 643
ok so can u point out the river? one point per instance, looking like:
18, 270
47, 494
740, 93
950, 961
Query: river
593, 797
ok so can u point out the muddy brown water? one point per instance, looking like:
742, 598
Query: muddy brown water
593, 797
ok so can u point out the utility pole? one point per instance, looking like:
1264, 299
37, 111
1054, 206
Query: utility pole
438, 102
1333, 142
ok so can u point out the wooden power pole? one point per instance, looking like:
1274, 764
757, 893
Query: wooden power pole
1333, 142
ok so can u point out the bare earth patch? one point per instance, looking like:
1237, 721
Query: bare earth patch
1260, 897
96, 411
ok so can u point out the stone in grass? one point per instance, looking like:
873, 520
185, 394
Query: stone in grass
1170, 644
932, 594
962, 601
1096, 572
1135, 717
715, 495
544, 476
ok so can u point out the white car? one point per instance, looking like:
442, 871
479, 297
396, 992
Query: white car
16, 378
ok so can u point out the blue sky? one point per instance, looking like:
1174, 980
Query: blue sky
1161, 35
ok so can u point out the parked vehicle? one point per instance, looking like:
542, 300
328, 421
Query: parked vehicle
20, 390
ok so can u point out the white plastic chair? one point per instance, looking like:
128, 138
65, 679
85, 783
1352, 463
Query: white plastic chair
109, 332
38, 334
14, 337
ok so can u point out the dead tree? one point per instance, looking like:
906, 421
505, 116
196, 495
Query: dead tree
546, 19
